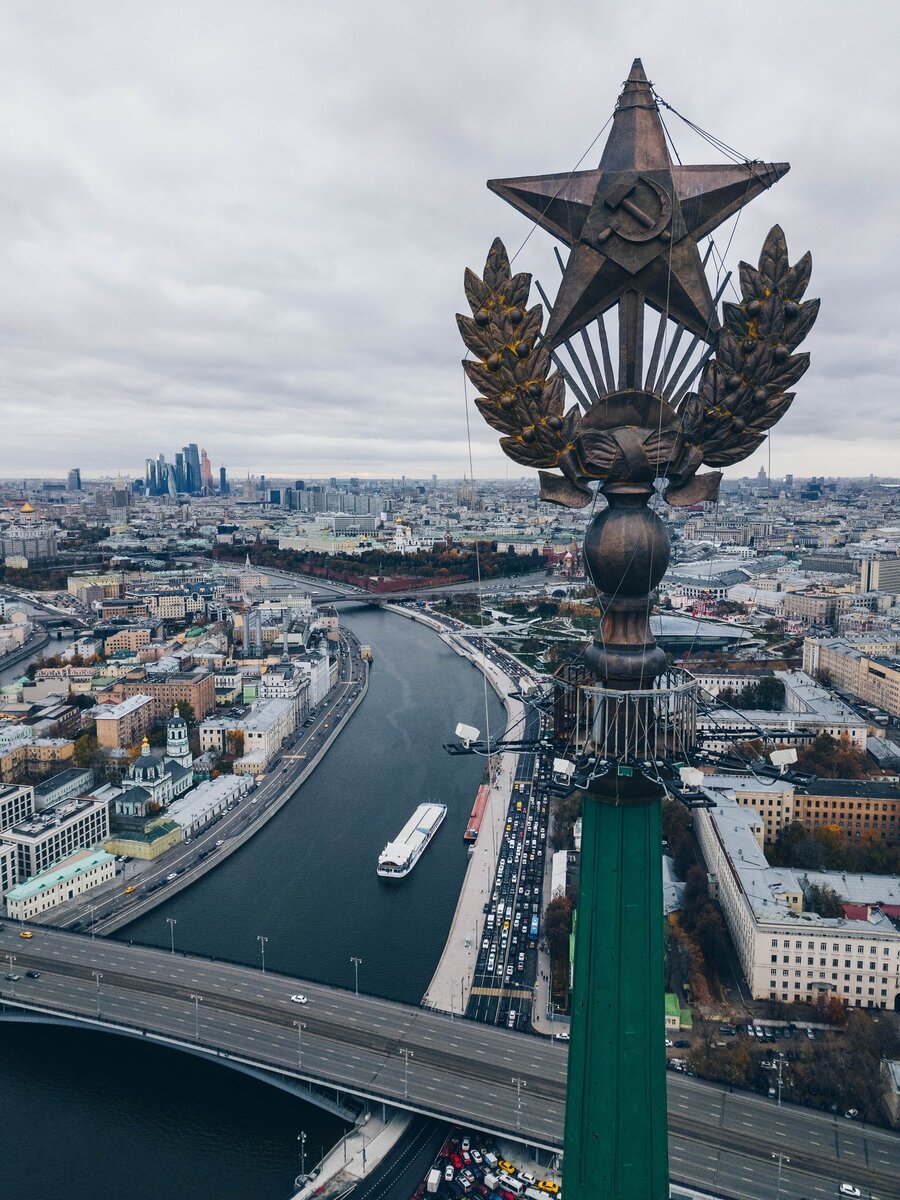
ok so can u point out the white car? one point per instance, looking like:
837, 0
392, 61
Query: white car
669, 1042
173, 875
299, 998
847, 1189
561, 1037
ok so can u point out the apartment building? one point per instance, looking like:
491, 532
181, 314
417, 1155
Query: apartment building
124, 724
867, 667
195, 687
33, 756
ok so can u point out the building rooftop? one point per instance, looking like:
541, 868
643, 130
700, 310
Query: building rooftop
68, 868
856, 889
61, 779
115, 712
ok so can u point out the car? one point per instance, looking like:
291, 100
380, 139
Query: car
669, 1042
299, 998
172, 875
26, 933
527, 1177
682, 1044
131, 888
465, 1144
847, 1189
506, 1167
448, 1173
547, 1185
33, 974
560, 1037
220, 842
851, 1114
12, 977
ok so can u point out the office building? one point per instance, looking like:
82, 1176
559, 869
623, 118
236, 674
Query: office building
48, 837
786, 953
73, 876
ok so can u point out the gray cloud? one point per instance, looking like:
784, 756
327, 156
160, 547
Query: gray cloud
246, 224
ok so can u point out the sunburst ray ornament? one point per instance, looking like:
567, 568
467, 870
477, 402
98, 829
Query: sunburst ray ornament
632, 226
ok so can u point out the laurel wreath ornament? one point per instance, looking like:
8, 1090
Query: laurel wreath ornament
632, 434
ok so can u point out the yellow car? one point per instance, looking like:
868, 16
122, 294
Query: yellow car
506, 1167
26, 933
131, 888
547, 1185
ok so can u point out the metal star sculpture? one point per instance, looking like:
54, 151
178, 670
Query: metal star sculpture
633, 227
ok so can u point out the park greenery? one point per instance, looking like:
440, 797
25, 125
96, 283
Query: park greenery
839, 1071
833, 758
829, 848
767, 693
447, 563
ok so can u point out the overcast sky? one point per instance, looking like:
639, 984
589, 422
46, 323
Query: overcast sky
245, 223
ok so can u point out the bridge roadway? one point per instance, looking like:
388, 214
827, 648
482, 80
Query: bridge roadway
461, 1071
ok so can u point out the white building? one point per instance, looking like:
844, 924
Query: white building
75, 875
48, 837
16, 804
207, 801
284, 681
9, 868
264, 728
787, 954
314, 665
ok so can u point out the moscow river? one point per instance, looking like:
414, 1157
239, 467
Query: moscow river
91, 1116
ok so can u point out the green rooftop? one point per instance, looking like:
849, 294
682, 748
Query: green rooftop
70, 868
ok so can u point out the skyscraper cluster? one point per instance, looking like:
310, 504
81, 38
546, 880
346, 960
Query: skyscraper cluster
190, 474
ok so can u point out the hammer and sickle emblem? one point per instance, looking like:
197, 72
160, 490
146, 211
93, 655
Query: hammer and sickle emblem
640, 210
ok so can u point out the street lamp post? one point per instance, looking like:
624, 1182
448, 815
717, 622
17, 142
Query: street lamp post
98, 975
93, 908
172, 922
407, 1055
300, 1027
11, 958
780, 1080
357, 963
196, 999
781, 1159
301, 1138
520, 1083
262, 950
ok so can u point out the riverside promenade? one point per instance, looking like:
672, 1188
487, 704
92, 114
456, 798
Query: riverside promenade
450, 985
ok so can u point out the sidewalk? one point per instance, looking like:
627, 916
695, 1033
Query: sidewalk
450, 986
356, 1155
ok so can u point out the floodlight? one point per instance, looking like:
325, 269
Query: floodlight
690, 777
783, 758
562, 766
467, 733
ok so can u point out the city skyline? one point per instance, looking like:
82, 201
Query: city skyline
183, 246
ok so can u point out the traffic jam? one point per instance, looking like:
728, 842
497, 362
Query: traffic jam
506, 965
471, 1165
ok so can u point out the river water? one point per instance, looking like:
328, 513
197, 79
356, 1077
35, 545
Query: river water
130, 1120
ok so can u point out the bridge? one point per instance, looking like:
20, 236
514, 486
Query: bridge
338, 1046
